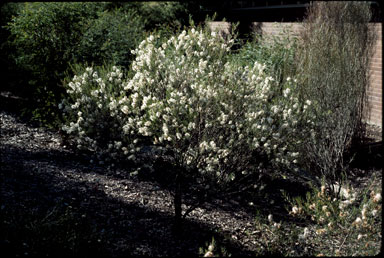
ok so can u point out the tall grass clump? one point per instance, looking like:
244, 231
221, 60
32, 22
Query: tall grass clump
333, 63
277, 52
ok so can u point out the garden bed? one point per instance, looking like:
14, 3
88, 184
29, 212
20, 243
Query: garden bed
55, 202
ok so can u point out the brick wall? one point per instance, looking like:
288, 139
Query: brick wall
374, 91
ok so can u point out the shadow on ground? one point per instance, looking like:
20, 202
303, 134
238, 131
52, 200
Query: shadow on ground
42, 214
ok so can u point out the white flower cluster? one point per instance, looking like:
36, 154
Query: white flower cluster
92, 111
277, 125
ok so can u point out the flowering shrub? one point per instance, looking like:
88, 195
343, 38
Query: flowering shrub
218, 121
91, 111
213, 115
185, 97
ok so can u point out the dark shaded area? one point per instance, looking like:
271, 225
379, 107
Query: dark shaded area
267, 11
368, 156
28, 195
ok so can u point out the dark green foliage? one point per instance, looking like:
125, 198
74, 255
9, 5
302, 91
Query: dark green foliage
46, 37
9, 71
159, 14
111, 37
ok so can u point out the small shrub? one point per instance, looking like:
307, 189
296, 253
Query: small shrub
217, 119
91, 113
352, 222
197, 101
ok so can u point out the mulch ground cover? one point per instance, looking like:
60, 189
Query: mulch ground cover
55, 202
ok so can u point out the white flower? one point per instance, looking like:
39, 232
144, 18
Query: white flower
377, 197
306, 232
357, 221
125, 109
165, 129
364, 213
286, 92
270, 218
295, 209
191, 125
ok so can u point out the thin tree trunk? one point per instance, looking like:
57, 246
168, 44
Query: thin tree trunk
177, 201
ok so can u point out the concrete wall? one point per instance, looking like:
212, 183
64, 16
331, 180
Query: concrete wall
375, 93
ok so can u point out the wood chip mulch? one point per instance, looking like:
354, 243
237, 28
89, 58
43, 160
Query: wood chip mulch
127, 216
